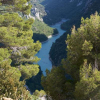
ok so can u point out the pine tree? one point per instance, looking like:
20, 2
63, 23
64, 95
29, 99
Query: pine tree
84, 43
56, 85
15, 5
17, 50
89, 85
82, 64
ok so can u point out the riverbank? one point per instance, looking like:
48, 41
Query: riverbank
55, 31
50, 36
46, 61
51, 62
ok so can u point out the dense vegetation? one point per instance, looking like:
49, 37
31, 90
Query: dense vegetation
78, 77
58, 54
41, 31
17, 50
34, 83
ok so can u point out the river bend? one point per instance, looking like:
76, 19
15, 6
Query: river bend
43, 54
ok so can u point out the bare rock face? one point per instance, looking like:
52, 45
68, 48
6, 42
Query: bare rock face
4, 98
29, 16
42, 98
36, 13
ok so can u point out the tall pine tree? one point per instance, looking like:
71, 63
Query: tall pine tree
82, 64
17, 49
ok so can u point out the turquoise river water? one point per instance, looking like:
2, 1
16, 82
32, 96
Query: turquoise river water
43, 54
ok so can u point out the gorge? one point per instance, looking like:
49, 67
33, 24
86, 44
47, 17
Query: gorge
50, 49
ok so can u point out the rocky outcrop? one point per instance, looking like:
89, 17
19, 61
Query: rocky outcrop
36, 13
42, 98
29, 16
4, 98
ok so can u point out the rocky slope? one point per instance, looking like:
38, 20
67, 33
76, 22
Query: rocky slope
58, 9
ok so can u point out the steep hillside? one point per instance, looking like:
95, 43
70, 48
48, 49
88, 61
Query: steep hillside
58, 9
87, 8
40, 29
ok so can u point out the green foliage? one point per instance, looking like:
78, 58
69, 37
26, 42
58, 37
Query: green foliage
4, 54
83, 43
16, 5
56, 84
84, 84
17, 37
88, 35
89, 84
42, 31
39, 93
17, 50
87, 47
34, 83
9, 82
28, 71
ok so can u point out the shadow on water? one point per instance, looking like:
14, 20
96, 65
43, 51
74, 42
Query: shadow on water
43, 37
55, 31
40, 37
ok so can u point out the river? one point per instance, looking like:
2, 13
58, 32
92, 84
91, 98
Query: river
43, 54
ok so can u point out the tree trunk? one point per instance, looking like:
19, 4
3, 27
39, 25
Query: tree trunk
96, 64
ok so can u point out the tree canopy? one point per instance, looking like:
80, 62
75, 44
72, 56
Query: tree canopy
17, 50
15, 5
82, 64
